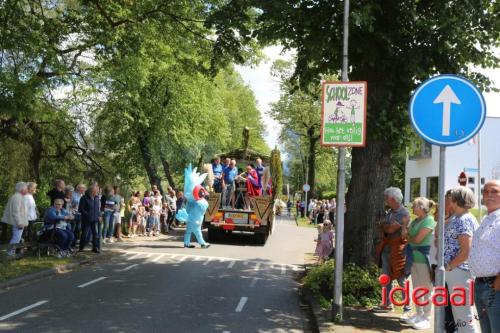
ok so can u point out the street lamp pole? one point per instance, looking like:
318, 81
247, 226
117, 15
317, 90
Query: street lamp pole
337, 307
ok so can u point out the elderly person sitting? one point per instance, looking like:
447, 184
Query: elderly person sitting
16, 214
57, 217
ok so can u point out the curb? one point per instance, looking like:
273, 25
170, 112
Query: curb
41, 274
322, 318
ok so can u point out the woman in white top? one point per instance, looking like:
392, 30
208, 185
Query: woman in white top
30, 209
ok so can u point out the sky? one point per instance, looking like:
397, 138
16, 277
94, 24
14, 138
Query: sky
267, 89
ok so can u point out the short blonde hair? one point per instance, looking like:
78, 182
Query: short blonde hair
424, 204
31, 185
463, 197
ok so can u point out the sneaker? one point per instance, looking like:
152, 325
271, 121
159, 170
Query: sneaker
382, 309
190, 246
422, 324
110, 240
104, 241
410, 320
205, 246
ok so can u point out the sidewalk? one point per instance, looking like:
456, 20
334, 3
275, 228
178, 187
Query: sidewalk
363, 320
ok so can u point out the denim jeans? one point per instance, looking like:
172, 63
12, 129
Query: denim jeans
64, 238
16, 239
488, 306
386, 269
107, 229
93, 228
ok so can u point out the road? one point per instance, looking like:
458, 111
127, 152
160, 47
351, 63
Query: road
155, 285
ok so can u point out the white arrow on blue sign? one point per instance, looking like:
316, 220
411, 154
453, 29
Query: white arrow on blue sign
447, 110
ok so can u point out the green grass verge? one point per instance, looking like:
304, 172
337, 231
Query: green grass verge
304, 222
10, 269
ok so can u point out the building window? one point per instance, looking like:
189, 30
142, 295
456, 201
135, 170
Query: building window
433, 188
482, 180
471, 180
414, 188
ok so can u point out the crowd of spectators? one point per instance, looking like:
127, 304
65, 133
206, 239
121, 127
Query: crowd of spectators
471, 253
79, 215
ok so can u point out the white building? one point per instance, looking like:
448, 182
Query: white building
422, 166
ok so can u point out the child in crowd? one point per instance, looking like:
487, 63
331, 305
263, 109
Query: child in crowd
326, 239
141, 220
319, 227
154, 217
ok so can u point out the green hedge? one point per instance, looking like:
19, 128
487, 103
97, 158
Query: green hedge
360, 285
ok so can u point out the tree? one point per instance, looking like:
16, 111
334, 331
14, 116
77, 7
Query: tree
298, 111
394, 45
276, 173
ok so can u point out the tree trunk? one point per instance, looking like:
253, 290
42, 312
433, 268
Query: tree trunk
36, 151
311, 161
147, 160
371, 173
168, 173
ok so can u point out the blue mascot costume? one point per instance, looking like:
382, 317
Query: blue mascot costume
196, 206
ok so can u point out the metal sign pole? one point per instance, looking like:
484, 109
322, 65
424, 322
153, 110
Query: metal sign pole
440, 272
337, 307
479, 183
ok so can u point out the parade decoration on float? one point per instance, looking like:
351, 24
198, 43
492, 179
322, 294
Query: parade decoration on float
196, 206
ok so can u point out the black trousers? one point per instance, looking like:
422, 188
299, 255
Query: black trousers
95, 229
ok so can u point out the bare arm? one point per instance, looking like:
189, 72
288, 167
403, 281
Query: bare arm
418, 238
389, 228
465, 242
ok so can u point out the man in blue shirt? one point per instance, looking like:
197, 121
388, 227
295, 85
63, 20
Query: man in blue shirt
260, 170
217, 169
228, 177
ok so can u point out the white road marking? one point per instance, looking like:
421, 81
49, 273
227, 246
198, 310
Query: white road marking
91, 282
226, 331
149, 255
135, 256
257, 266
207, 261
231, 261
241, 304
29, 307
183, 258
254, 281
127, 268
158, 258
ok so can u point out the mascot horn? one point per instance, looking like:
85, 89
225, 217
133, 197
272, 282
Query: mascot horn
196, 206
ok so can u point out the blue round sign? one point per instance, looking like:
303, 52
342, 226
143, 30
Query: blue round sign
447, 110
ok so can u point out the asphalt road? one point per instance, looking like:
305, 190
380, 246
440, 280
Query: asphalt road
156, 285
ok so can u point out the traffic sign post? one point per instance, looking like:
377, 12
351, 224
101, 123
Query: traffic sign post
446, 110
462, 179
306, 188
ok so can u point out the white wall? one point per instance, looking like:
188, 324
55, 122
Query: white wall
457, 159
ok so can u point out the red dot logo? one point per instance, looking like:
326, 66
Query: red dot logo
384, 279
